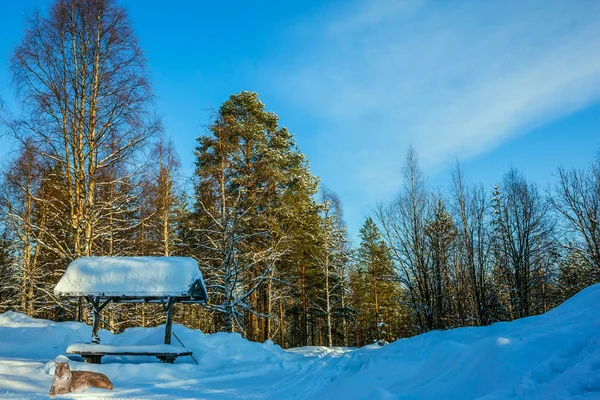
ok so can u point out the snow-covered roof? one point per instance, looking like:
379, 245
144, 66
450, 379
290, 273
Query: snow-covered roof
132, 277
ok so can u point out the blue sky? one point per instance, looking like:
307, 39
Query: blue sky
494, 84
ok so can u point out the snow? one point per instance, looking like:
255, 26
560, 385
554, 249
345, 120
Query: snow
503, 341
61, 359
130, 276
106, 348
552, 356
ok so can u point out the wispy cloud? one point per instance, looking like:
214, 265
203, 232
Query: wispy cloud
451, 78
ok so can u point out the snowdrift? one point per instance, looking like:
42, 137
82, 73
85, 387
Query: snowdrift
552, 356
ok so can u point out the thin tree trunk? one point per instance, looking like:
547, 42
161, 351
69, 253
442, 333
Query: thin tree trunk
281, 325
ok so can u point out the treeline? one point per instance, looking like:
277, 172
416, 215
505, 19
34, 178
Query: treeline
93, 174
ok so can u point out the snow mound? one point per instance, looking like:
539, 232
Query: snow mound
551, 356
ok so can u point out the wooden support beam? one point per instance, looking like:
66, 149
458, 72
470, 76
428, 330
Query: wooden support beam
164, 306
104, 304
169, 322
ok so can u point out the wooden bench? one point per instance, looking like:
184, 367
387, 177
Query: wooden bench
93, 353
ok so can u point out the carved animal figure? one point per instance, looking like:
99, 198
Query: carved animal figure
67, 381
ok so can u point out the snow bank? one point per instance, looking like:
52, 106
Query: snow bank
38, 339
552, 356
130, 276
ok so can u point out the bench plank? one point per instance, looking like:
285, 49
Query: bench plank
93, 352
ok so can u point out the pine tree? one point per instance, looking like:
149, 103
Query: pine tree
250, 175
299, 281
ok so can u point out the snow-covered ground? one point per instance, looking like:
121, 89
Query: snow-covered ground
552, 356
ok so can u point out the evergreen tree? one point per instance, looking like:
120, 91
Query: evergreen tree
300, 283
441, 233
575, 273
375, 273
8, 285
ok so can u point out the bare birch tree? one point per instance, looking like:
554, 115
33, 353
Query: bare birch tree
331, 257
88, 104
471, 208
403, 224
577, 199
526, 234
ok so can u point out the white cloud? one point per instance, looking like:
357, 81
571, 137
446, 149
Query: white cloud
451, 78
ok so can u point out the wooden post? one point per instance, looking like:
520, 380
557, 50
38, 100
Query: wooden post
169, 323
79, 309
96, 307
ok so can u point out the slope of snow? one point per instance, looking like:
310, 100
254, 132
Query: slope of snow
552, 356
129, 276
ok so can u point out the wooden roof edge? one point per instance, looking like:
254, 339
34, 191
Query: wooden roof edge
141, 299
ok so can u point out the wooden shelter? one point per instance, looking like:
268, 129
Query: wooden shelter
162, 280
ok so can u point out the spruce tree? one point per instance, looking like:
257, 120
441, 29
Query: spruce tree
441, 233
376, 273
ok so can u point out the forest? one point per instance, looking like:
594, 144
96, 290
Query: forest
95, 174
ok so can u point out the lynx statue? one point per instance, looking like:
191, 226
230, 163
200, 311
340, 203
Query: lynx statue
67, 381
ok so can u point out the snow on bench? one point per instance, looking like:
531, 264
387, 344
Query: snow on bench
93, 353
